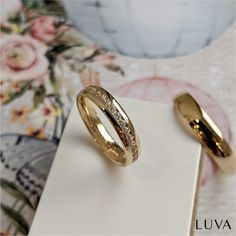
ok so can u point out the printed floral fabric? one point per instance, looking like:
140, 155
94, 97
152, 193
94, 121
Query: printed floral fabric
44, 63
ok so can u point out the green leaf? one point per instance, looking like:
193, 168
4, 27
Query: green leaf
97, 52
52, 55
17, 94
56, 84
16, 218
45, 7
39, 95
115, 68
33, 4
14, 191
58, 49
55, 51
54, 6
18, 18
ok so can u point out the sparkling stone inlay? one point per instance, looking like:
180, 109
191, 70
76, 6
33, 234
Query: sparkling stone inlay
118, 117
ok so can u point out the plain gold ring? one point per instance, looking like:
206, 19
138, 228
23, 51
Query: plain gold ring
200, 125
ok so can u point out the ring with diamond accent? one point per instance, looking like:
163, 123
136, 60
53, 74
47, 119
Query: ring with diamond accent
128, 150
199, 124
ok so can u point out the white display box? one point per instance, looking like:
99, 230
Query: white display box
86, 194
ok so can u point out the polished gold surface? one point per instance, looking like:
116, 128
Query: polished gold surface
129, 150
199, 124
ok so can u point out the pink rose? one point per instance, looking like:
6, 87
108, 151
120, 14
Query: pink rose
22, 58
44, 28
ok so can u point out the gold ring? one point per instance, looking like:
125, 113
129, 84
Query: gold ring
199, 124
129, 149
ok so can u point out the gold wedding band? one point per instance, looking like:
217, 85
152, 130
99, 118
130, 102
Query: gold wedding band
93, 96
199, 124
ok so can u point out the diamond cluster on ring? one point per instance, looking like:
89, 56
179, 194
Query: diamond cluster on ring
118, 117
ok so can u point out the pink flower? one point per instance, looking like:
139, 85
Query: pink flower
22, 58
44, 28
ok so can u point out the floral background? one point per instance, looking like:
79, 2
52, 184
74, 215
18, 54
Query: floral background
45, 62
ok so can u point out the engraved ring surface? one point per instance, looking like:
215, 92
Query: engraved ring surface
199, 124
129, 150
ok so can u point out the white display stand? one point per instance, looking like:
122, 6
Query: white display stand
86, 194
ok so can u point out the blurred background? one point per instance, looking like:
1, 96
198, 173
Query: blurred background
152, 29
148, 50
